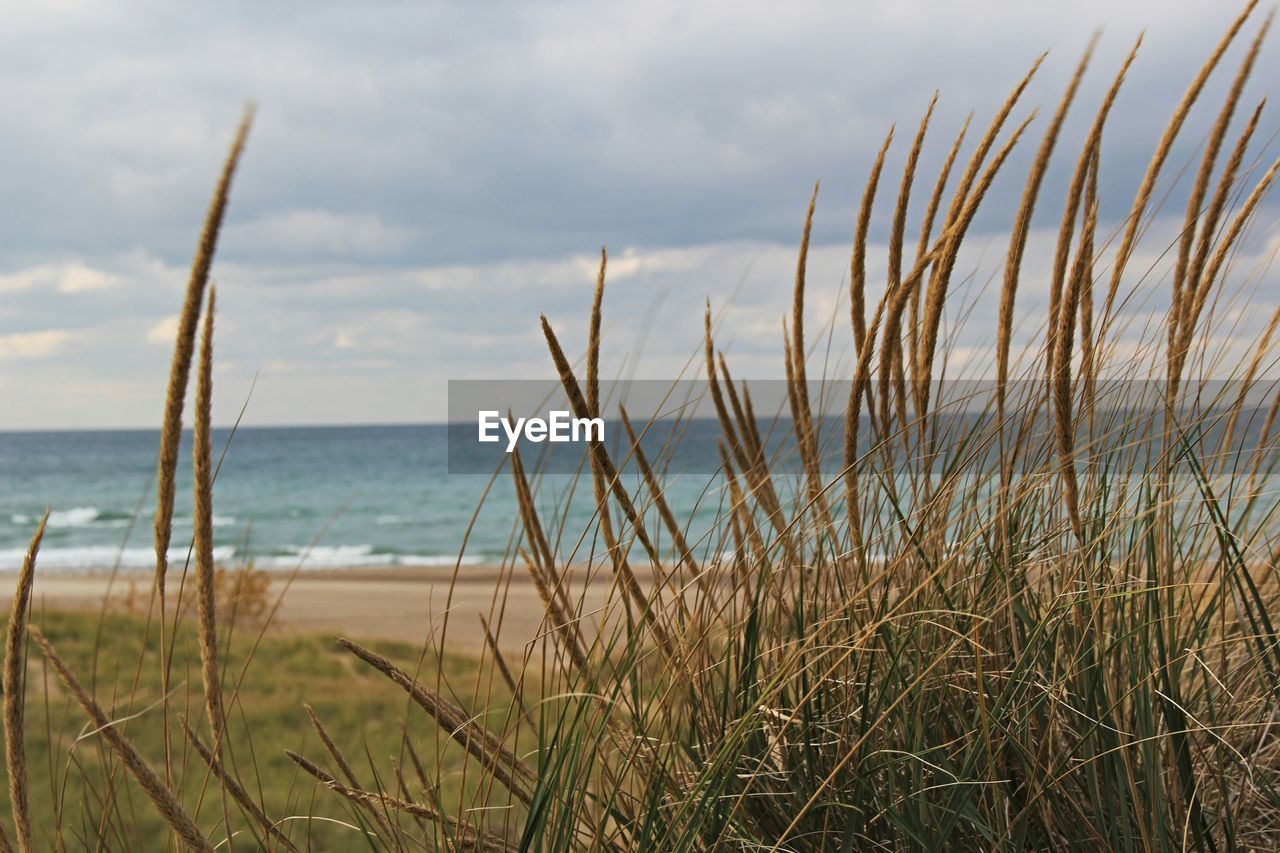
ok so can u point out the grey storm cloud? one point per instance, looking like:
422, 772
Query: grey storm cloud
423, 179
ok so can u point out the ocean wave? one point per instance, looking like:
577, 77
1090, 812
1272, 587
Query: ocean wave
319, 557
440, 560
343, 556
82, 517
218, 521
102, 557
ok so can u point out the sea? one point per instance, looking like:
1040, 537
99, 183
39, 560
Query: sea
408, 495
316, 497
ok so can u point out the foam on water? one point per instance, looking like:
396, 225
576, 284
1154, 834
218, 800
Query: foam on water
133, 559
101, 557
342, 556
92, 517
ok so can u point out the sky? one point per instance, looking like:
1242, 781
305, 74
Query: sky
424, 179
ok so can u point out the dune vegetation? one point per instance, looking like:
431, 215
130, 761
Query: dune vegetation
1048, 624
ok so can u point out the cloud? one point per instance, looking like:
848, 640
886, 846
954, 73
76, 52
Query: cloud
78, 277
424, 180
24, 345
440, 134
343, 342
164, 332
66, 277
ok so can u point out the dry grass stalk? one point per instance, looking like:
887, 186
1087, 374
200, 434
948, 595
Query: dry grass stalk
1191, 296
184, 347
1064, 419
936, 296
166, 803
853, 415
537, 537
1022, 228
926, 233
891, 362
419, 769
743, 416
750, 415
897, 234
593, 407
604, 477
1201, 186
1088, 362
684, 552
741, 508
1147, 187
924, 343
593, 340
470, 838
1200, 295
744, 455
478, 741
1075, 190
562, 626
1218, 205
622, 571
797, 375
15, 691
202, 453
756, 476
508, 678
234, 787
858, 262
796, 351
988, 141
1246, 383
609, 476
330, 746
175, 397
541, 566
897, 301
344, 767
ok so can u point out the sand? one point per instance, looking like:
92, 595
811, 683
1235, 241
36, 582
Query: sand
404, 604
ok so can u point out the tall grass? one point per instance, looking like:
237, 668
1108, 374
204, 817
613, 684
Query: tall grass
1036, 618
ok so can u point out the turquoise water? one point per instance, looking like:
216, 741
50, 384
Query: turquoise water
340, 496
365, 496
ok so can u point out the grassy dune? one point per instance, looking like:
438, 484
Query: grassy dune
1050, 625
80, 792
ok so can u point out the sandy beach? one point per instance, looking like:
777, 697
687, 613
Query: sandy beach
374, 603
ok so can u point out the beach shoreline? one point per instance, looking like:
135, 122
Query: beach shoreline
405, 603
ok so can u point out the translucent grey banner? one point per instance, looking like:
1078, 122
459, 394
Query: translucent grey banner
679, 425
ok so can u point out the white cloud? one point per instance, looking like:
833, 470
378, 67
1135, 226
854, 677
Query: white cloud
31, 344
67, 277
163, 332
76, 277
